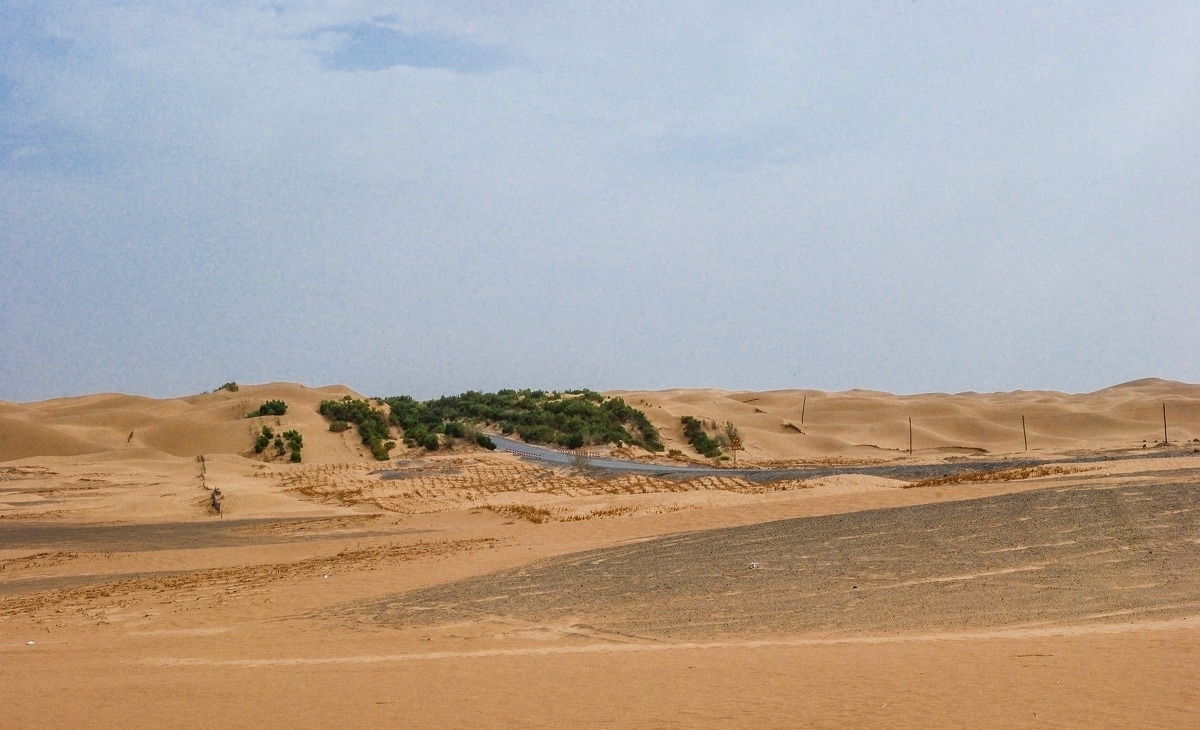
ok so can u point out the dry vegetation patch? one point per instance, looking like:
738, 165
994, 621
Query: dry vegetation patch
47, 559
472, 481
1004, 475
217, 585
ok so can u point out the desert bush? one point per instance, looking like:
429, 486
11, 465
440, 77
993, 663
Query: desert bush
380, 449
701, 441
482, 439
415, 436
570, 440
339, 426
231, 386
269, 408
263, 440
295, 442
372, 427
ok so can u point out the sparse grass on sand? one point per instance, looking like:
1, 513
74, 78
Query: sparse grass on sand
1004, 475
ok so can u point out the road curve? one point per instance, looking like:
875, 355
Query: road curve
906, 472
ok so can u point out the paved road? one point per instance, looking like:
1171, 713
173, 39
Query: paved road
908, 472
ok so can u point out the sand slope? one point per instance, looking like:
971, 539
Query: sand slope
209, 423
778, 425
812, 425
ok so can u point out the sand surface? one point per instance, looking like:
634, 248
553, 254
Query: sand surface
479, 590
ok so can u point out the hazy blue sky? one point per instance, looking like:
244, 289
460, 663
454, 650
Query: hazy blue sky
430, 197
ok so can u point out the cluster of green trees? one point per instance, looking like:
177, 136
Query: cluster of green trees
269, 408
372, 426
701, 441
290, 441
572, 419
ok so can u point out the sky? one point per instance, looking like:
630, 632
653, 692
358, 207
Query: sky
426, 198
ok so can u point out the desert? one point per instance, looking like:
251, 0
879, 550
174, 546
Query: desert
379, 364
1030, 562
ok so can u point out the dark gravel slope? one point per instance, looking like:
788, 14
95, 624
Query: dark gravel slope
1058, 556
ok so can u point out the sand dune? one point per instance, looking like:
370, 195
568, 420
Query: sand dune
202, 424
808, 424
775, 425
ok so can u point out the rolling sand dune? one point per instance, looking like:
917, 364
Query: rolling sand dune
799, 424
476, 589
209, 423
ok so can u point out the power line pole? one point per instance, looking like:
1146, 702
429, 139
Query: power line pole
1164, 424
910, 435
1024, 433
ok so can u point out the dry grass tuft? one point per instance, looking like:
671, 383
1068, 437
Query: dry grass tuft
536, 515
38, 560
1004, 475
608, 512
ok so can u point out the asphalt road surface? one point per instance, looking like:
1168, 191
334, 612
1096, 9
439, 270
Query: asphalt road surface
907, 472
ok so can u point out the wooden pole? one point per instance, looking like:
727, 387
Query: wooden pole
1164, 424
1024, 433
910, 434
803, 405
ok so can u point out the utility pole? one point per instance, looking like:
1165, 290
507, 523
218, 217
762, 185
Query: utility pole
1024, 433
910, 435
803, 405
1164, 424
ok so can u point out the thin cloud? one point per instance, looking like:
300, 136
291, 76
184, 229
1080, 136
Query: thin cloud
374, 47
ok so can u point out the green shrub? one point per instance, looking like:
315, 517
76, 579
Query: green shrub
339, 426
482, 439
570, 440
263, 440
269, 408
701, 441
295, 442
430, 442
231, 386
380, 448
415, 436
372, 427
294, 438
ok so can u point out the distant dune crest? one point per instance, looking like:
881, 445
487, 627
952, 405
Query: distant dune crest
779, 425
